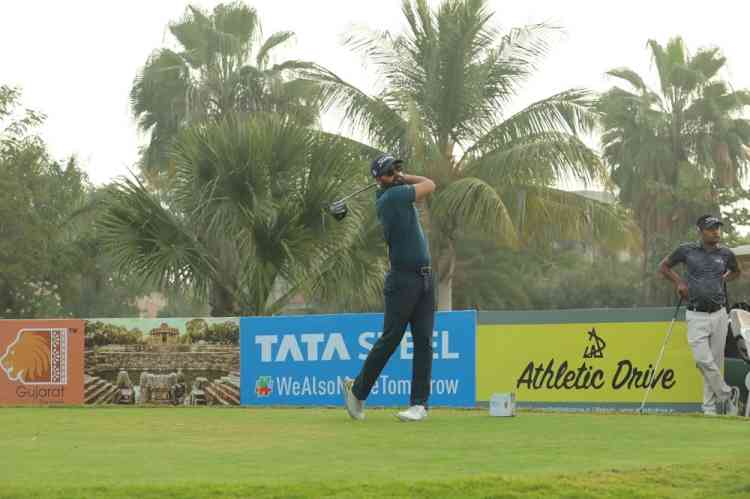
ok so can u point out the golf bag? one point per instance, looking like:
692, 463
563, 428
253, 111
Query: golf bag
739, 326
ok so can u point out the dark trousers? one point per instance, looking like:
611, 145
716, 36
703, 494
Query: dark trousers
409, 299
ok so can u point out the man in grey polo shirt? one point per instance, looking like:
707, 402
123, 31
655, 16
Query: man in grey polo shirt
709, 267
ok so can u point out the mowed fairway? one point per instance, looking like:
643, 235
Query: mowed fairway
210, 452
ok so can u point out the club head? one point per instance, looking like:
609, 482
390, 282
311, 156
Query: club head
338, 210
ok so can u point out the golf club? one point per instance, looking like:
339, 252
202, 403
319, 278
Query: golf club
339, 209
661, 354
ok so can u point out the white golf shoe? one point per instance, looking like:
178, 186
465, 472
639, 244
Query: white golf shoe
413, 413
732, 406
354, 406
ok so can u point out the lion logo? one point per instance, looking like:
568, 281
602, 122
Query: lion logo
37, 356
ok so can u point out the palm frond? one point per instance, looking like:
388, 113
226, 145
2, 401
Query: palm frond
238, 20
569, 112
372, 115
146, 239
271, 42
708, 62
159, 91
191, 32
546, 214
631, 77
472, 202
361, 260
538, 159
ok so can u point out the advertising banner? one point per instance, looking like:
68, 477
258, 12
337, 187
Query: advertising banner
587, 363
41, 362
302, 360
162, 361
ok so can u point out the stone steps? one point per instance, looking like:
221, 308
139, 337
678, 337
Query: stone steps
228, 393
223, 391
91, 384
101, 394
98, 391
213, 395
109, 397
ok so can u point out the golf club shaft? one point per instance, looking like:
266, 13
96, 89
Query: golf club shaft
357, 192
661, 354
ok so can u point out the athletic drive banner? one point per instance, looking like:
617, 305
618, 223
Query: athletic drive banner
587, 364
302, 360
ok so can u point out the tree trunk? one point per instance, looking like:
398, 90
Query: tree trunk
222, 302
445, 268
646, 282
445, 294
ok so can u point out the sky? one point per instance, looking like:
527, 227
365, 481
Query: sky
76, 60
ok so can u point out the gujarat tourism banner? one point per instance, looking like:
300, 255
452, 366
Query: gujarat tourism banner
41, 362
587, 360
162, 361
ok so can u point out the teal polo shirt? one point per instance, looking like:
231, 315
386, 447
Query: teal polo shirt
407, 246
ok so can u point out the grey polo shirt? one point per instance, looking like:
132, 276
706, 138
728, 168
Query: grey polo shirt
704, 271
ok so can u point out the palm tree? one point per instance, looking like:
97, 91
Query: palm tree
222, 66
449, 82
671, 149
247, 228
491, 277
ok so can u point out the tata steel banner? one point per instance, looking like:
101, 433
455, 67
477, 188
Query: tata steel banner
587, 361
41, 362
302, 360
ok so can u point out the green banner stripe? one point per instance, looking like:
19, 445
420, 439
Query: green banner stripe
654, 314
656, 407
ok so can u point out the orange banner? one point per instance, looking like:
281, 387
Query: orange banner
41, 362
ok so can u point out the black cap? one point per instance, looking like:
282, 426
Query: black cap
708, 221
383, 164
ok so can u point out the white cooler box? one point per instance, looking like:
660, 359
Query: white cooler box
503, 404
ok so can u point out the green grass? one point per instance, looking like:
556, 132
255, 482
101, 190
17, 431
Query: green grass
210, 452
